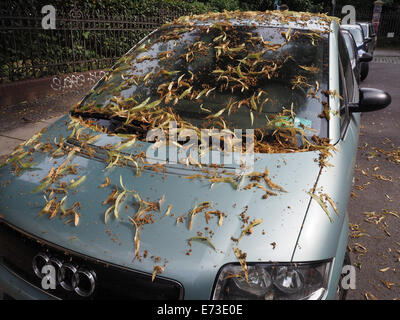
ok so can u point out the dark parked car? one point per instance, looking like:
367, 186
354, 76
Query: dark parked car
369, 33
361, 42
357, 57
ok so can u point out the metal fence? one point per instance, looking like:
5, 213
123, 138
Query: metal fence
389, 29
87, 41
80, 42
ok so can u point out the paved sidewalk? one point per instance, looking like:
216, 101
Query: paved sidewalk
21, 121
386, 53
10, 139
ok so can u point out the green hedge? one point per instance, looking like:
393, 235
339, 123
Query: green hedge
27, 51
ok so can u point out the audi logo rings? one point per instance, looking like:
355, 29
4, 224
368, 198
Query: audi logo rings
70, 276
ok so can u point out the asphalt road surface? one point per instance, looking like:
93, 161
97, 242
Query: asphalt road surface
374, 208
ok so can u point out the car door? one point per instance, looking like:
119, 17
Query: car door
373, 37
352, 50
349, 122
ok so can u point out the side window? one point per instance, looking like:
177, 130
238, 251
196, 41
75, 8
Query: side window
344, 113
371, 30
347, 69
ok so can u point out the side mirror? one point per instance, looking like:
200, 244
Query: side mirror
365, 57
367, 40
371, 100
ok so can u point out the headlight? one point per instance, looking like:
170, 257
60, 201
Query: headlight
273, 281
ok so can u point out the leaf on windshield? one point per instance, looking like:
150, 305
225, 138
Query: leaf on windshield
311, 69
216, 115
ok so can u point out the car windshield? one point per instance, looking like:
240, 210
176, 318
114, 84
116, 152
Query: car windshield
219, 75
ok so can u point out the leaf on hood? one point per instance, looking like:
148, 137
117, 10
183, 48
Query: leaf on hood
226, 180
26, 166
111, 198
76, 218
197, 208
204, 239
248, 229
241, 256
62, 205
136, 239
108, 212
19, 156
122, 184
42, 186
321, 203
117, 203
54, 211
271, 184
160, 202
332, 203
76, 183
217, 213
156, 270
168, 211
93, 139
46, 208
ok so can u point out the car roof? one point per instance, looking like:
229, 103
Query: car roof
275, 18
351, 26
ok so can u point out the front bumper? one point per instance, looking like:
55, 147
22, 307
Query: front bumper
13, 286
19, 281
16, 286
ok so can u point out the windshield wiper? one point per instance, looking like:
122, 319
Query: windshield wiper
114, 124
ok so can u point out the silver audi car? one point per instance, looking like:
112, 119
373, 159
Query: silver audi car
108, 203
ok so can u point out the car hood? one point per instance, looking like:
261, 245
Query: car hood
165, 240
